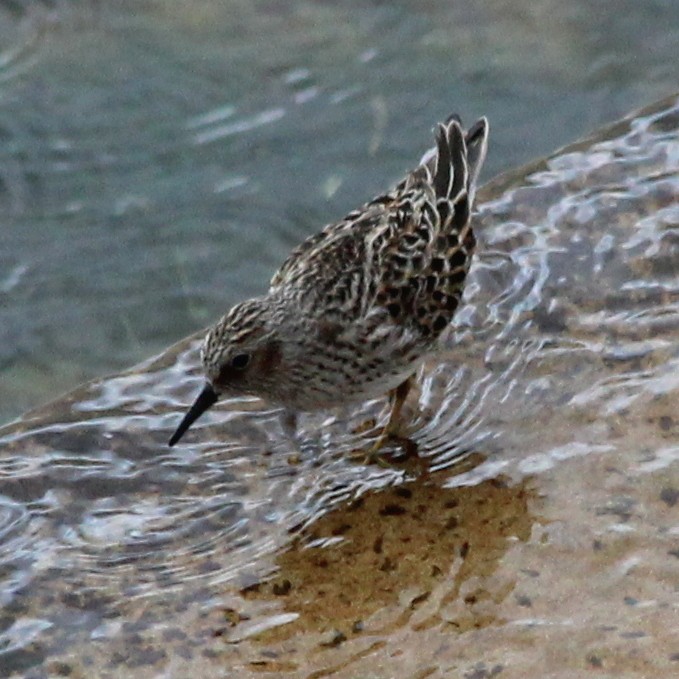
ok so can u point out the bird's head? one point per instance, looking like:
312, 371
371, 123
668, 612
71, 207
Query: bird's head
240, 355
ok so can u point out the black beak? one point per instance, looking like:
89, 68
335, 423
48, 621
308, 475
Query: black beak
206, 398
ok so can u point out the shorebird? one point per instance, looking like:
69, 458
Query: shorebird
355, 309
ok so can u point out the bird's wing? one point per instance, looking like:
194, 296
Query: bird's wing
406, 251
427, 250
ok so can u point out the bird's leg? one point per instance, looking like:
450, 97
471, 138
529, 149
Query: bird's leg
289, 422
397, 398
392, 430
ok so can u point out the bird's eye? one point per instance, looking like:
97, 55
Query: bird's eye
240, 361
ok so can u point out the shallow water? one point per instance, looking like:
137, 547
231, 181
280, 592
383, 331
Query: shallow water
159, 159
535, 536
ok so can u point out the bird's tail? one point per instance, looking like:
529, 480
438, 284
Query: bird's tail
455, 163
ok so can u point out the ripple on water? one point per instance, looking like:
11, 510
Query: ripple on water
564, 353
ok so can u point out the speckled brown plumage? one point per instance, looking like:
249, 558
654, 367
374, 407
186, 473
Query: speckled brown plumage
355, 308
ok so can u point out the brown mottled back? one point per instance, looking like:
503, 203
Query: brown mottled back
407, 251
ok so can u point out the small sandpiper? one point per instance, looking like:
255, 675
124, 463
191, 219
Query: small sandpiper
355, 309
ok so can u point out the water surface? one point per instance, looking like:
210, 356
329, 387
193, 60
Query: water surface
536, 535
159, 159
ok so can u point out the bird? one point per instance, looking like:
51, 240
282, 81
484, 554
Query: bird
355, 309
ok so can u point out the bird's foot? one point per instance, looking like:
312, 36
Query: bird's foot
406, 449
392, 431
